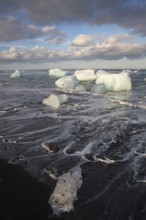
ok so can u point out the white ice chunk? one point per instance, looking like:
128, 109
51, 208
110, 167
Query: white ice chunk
67, 82
16, 74
85, 75
99, 89
115, 82
55, 100
65, 193
102, 72
127, 71
57, 73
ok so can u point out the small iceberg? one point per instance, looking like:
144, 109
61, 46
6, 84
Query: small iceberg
57, 73
85, 75
55, 101
115, 82
67, 82
101, 72
16, 74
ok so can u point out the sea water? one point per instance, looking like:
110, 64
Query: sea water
100, 138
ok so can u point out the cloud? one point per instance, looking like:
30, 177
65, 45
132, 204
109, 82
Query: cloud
83, 40
129, 14
12, 29
109, 49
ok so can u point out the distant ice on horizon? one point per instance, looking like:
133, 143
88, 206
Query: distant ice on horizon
16, 74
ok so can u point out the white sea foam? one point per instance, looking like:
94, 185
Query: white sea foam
105, 160
129, 104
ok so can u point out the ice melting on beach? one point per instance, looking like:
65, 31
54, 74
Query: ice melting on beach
16, 74
115, 82
55, 100
65, 193
57, 73
85, 75
67, 82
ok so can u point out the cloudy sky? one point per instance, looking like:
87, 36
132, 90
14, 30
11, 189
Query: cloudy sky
72, 34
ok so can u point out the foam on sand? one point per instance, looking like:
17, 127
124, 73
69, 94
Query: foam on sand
55, 101
115, 82
65, 193
129, 104
16, 74
57, 73
85, 75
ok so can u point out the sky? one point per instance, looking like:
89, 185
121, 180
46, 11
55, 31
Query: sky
72, 34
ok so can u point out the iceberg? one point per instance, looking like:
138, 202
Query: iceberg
57, 73
101, 72
98, 89
67, 82
85, 75
55, 101
16, 74
115, 82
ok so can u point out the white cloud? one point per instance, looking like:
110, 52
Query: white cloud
83, 40
109, 49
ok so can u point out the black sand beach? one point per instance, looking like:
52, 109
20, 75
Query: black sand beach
107, 140
22, 197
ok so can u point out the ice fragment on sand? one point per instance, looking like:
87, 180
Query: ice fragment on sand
16, 74
67, 82
55, 100
57, 73
65, 193
115, 82
85, 75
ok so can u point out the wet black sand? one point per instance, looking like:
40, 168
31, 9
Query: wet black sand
107, 193
22, 197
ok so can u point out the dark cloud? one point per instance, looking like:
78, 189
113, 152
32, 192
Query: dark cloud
12, 29
129, 14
